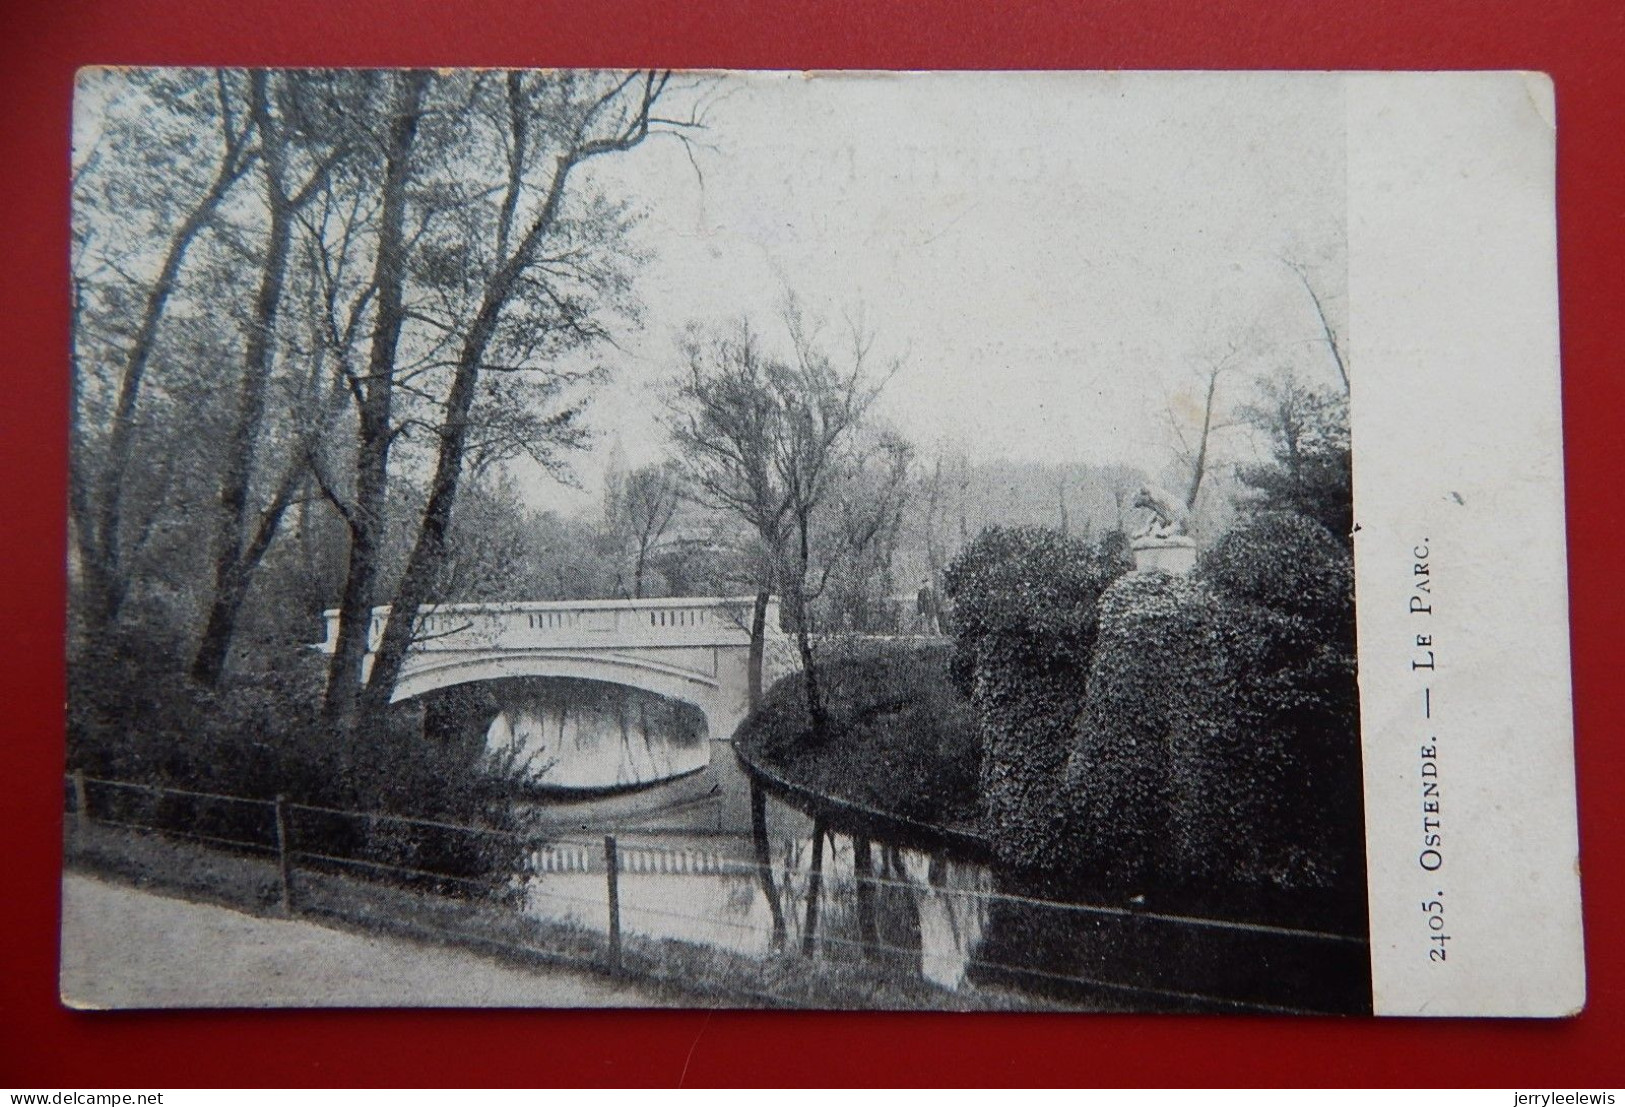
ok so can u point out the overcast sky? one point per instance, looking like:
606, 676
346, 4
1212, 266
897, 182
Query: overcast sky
1051, 255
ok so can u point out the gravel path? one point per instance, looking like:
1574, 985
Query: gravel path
122, 947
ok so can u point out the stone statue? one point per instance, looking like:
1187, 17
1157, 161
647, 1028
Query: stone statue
1169, 516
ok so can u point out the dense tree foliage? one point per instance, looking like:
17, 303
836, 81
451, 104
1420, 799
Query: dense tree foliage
639, 508
1309, 471
314, 314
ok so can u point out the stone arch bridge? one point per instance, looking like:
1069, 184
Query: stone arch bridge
693, 650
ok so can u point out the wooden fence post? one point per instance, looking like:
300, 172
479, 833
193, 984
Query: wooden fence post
284, 862
612, 867
863, 872
815, 879
764, 861
81, 803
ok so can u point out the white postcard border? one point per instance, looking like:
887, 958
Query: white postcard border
1458, 482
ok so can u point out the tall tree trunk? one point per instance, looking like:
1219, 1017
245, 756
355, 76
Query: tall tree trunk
1199, 467
345, 673
817, 716
104, 569
758, 646
232, 585
232, 581
429, 551
232, 570
933, 540
366, 516
1332, 342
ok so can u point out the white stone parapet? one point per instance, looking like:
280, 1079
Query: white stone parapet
572, 624
692, 649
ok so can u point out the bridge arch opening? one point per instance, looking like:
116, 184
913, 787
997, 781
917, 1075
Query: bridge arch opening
569, 734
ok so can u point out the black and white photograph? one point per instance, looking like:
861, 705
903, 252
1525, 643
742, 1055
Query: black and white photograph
706, 539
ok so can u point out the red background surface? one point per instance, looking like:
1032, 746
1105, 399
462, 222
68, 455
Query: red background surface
1581, 44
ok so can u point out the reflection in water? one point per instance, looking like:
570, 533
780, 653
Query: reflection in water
584, 734
707, 891
951, 925
688, 872
687, 863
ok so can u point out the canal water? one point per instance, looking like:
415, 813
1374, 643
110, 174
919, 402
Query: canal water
678, 806
616, 761
688, 871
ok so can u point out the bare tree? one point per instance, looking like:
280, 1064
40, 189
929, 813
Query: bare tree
861, 526
942, 503
638, 510
1209, 415
1334, 341
934, 496
765, 439
1220, 404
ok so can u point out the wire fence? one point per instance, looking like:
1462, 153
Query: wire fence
847, 912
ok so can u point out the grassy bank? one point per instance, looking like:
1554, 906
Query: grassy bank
901, 739
686, 973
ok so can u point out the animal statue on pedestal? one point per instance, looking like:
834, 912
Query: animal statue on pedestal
1169, 518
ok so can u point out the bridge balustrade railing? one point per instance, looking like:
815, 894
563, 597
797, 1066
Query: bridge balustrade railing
535, 874
681, 621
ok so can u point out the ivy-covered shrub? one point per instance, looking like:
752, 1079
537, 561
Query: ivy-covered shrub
1024, 624
1290, 762
1218, 758
1157, 668
1290, 564
901, 738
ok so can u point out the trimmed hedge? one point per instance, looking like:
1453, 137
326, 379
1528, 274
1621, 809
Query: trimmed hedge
1148, 702
1288, 586
1290, 564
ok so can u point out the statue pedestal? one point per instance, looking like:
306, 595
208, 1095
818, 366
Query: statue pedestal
1175, 555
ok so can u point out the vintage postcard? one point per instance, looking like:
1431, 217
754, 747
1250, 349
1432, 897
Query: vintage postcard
967, 541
